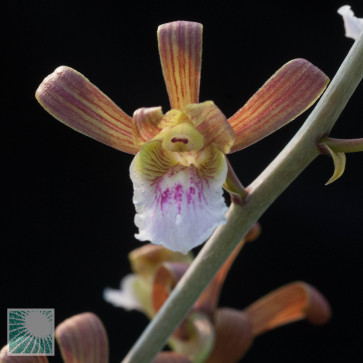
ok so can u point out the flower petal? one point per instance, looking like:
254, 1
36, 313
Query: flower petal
72, 99
288, 93
178, 206
287, 304
146, 124
147, 259
83, 339
198, 342
165, 280
233, 336
209, 120
5, 358
127, 296
171, 357
353, 25
180, 49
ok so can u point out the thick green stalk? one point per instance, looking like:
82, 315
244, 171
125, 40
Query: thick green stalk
301, 150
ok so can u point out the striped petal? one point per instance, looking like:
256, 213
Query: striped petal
289, 303
209, 120
180, 49
233, 336
146, 124
72, 99
82, 339
288, 93
178, 205
236, 330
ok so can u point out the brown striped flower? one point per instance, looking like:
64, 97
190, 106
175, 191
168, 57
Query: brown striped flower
180, 165
208, 333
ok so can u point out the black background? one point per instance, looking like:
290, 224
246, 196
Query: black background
68, 221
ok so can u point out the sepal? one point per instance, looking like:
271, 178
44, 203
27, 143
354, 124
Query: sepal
236, 330
287, 94
82, 339
180, 50
233, 336
73, 100
289, 303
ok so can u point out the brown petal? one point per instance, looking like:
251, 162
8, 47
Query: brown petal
180, 49
287, 304
288, 93
5, 358
233, 336
209, 120
171, 357
83, 339
146, 259
166, 278
146, 124
73, 100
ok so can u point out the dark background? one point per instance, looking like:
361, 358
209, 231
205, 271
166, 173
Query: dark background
68, 221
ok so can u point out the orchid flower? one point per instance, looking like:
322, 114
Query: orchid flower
353, 25
180, 165
210, 334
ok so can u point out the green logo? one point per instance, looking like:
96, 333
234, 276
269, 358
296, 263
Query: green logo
31, 331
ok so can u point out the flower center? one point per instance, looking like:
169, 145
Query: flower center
178, 139
182, 137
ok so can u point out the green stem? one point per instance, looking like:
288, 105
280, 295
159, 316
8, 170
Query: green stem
300, 151
344, 146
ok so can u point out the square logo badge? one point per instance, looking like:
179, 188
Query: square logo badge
31, 332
